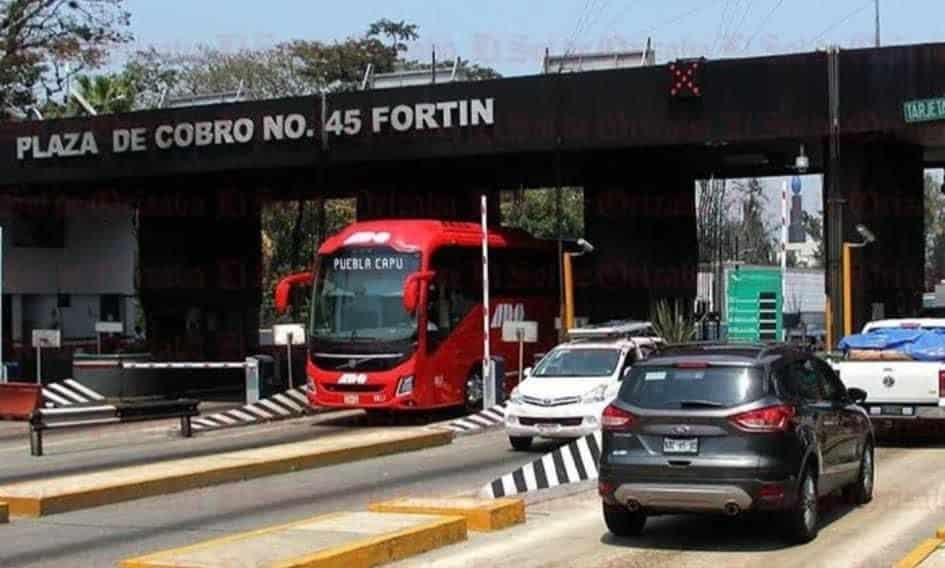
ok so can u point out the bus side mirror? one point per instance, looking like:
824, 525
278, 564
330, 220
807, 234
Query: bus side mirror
412, 289
284, 289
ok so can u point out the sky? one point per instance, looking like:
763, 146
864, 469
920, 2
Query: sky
511, 35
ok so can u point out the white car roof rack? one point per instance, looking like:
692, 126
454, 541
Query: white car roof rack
610, 330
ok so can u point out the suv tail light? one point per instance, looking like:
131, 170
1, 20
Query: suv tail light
768, 419
941, 384
616, 419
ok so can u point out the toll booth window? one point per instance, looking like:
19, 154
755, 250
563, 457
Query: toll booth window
454, 291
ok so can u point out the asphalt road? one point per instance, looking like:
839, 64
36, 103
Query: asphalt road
105, 535
908, 506
564, 526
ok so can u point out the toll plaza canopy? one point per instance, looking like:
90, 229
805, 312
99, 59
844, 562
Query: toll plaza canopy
626, 136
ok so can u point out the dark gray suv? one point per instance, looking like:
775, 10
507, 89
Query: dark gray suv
726, 428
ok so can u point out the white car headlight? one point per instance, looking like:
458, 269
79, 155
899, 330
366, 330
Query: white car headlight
597, 394
516, 396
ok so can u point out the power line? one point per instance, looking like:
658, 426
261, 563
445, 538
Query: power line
763, 23
579, 23
733, 36
841, 21
678, 18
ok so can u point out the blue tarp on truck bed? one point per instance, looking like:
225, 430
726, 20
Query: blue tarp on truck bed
919, 344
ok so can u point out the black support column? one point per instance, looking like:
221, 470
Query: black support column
640, 217
882, 188
199, 270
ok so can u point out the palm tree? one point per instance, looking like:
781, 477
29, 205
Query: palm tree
107, 94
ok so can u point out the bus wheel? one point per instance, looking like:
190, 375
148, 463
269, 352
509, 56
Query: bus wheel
473, 398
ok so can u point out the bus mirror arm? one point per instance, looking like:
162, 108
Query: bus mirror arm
412, 289
284, 289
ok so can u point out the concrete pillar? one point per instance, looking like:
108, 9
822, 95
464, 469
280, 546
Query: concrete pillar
882, 184
640, 216
199, 277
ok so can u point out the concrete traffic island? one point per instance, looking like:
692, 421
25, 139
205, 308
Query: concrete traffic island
335, 540
70, 493
482, 515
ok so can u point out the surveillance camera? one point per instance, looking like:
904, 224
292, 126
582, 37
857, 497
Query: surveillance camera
867, 235
801, 163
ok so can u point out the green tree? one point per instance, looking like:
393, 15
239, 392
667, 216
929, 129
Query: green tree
934, 231
753, 232
107, 94
43, 43
291, 234
534, 210
814, 229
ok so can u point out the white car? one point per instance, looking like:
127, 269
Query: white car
567, 391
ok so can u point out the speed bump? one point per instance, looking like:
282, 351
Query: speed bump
481, 515
4, 513
335, 540
70, 493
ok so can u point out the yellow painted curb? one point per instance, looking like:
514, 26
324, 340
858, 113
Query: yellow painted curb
371, 551
481, 515
4, 513
59, 495
918, 554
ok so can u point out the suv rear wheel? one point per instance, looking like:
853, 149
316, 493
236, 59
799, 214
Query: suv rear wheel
801, 520
622, 522
861, 492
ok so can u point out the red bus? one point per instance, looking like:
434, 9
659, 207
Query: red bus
396, 312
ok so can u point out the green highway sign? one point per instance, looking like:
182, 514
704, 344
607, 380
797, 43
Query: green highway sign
924, 110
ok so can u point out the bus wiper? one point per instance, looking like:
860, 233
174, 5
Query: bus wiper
700, 404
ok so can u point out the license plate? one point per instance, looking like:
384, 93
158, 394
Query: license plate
549, 427
351, 399
680, 445
897, 410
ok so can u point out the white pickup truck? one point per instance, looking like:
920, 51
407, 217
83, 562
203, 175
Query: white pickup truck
898, 390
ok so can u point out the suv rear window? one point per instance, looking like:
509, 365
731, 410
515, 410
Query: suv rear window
705, 387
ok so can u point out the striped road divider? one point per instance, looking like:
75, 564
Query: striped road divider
577, 461
289, 404
482, 420
69, 392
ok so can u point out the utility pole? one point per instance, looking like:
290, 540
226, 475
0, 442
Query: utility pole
835, 203
876, 11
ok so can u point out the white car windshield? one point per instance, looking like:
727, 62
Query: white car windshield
572, 362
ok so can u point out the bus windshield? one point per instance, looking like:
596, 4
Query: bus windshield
358, 296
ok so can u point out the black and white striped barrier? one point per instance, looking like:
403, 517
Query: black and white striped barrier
290, 404
577, 461
482, 420
69, 392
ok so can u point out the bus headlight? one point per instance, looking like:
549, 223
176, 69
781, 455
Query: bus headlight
596, 394
405, 386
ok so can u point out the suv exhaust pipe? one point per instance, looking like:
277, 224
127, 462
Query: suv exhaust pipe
633, 505
732, 509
